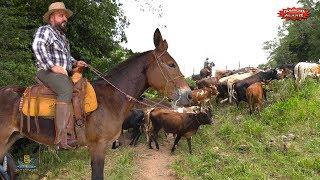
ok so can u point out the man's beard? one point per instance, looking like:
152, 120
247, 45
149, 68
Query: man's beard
62, 26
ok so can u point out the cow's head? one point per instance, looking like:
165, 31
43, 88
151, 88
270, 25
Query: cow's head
213, 90
273, 74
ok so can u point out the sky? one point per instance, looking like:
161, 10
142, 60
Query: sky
227, 32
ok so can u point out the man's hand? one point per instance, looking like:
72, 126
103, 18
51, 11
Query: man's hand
81, 64
59, 70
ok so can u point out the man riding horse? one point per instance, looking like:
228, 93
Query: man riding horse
206, 71
54, 62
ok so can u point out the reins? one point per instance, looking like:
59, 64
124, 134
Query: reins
98, 73
130, 98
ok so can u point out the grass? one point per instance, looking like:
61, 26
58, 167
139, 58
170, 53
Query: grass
282, 142
75, 164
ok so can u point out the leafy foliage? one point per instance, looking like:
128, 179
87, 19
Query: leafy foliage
298, 40
94, 32
191, 83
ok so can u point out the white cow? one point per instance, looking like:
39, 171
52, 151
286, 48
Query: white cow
224, 79
304, 69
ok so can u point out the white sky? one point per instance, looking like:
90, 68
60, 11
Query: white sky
225, 31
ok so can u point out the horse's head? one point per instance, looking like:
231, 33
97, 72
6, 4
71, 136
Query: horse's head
163, 73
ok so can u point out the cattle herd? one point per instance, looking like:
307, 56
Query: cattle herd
245, 84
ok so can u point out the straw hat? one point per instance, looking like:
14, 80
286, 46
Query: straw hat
56, 6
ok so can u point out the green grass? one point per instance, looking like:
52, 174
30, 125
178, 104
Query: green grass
282, 142
243, 146
75, 164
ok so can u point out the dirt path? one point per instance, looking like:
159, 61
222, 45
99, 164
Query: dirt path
153, 164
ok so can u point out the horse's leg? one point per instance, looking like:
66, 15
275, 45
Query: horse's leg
4, 147
6, 141
97, 152
13, 138
8, 110
3, 150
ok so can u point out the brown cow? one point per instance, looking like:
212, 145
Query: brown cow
222, 73
202, 96
255, 96
181, 124
206, 82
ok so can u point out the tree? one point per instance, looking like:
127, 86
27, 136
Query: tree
297, 41
94, 31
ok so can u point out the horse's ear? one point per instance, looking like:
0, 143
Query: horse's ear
163, 46
157, 38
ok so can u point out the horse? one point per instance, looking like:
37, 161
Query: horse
206, 71
115, 93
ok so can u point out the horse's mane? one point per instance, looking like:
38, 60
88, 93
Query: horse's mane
124, 64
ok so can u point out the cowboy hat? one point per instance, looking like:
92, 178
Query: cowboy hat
56, 6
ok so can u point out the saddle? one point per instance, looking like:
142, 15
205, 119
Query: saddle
39, 101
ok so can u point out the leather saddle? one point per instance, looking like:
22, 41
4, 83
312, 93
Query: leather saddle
39, 101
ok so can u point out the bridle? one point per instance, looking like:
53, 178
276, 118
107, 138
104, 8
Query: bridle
168, 80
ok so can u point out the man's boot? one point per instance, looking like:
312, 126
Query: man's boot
72, 139
65, 142
61, 119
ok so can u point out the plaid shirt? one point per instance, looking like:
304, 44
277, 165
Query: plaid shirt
51, 48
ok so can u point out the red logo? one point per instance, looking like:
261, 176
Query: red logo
295, 14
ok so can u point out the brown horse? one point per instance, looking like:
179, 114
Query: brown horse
155, 68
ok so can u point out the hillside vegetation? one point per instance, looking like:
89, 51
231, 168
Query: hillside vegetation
281, 142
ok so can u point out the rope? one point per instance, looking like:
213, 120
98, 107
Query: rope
98, 73
167, 81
